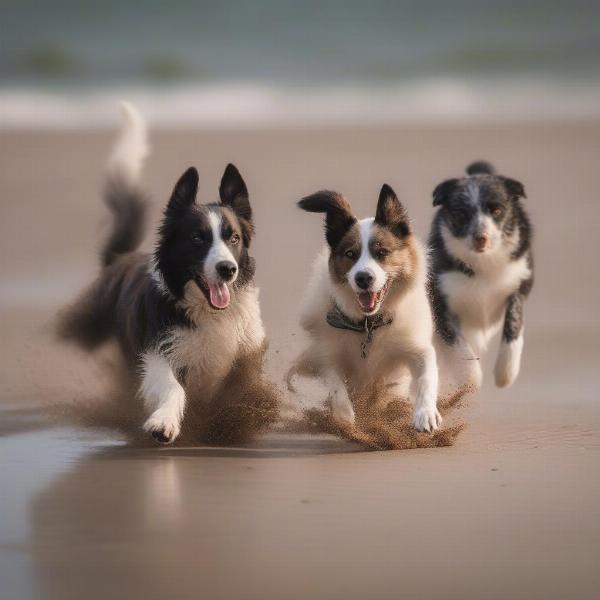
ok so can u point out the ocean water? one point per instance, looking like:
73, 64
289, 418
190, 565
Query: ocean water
67, 61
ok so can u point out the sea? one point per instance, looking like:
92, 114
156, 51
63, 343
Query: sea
67, 63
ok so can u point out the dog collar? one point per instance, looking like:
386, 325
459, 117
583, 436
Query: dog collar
336, 318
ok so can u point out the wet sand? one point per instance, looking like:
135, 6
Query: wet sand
510, 511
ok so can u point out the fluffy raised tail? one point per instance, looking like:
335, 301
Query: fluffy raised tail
480, 167
122, 194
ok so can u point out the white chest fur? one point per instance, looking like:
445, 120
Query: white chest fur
208, 351
479, 301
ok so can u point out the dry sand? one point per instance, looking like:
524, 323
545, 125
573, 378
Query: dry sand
511, 510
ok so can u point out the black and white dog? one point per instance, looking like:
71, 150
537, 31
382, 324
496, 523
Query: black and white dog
185, 313
366, 308
481, 271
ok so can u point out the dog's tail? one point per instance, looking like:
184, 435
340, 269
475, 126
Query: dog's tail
480, 167
122, 193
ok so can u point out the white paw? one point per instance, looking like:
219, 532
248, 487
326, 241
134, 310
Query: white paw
163, 426
508, 363
427, 419
341, 408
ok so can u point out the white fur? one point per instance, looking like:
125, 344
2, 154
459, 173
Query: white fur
208, 351
480, 301
508, 362
219, 251
486, 226
131, 148
366, 262
341, 406
407, 341
164, 398
425, 376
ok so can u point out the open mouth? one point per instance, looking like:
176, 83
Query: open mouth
217, 294
369, 301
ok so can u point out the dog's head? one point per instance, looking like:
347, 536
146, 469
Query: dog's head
478, 210
206, 246
369, 259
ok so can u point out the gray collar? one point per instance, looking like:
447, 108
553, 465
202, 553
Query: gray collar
336, 318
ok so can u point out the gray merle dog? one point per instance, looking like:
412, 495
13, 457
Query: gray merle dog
481, 272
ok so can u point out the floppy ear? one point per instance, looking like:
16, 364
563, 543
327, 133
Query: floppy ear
391, 213
443, 190
515, 188
339, 217
185, 190
234, 193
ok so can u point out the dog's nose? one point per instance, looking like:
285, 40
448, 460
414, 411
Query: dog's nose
480, 240
226, 270
364, 279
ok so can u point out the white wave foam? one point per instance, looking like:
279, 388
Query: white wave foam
249, 105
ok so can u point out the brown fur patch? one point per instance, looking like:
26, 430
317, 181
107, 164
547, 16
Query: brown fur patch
339, 263
396, 255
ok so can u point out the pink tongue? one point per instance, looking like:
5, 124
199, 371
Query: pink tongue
367, 301
219, 295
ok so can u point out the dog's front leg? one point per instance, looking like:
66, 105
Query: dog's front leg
341, 406
508, 362
164, 398
424, 370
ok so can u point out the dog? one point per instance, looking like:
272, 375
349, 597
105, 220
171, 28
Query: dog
184, 314
366, 309
481, 271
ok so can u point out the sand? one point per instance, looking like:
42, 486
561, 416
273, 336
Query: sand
510, 510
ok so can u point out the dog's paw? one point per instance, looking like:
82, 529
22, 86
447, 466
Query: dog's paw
508, 363
163, 427
289, 379
341, 409
427, 419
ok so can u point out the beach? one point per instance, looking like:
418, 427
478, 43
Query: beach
511, 510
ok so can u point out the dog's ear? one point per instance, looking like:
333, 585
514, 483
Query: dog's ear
338, 213
185, 190
234, 193
514, 188
391, 213
443, 191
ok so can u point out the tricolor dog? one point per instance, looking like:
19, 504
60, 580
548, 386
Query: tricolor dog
185, 313
481, 270
366, 308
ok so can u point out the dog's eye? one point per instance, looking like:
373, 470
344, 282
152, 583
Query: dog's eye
197, 237
235, 239
349, 254
497, 212
382, 252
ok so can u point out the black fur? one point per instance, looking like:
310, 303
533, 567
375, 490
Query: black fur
233, 193
498, 197
126, 302
338, 213
128, 207
391, 213
480, 167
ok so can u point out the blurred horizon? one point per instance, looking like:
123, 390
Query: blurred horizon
70, 60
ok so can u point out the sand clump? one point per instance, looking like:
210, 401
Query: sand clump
384, 421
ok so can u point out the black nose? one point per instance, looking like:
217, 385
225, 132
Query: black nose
226, 270
363, 279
